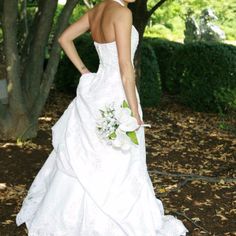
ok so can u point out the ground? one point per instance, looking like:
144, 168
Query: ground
190, 158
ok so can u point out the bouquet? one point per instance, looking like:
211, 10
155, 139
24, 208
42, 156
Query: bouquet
117, 126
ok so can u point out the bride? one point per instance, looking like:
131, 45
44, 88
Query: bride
89, 185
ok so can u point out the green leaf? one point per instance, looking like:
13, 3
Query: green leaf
102, 112
125, 104
112, 135
133, 136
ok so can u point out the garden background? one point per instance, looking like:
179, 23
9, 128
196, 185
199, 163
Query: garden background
187, 91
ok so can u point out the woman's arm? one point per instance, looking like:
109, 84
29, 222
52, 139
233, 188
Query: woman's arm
66, 41
123, 30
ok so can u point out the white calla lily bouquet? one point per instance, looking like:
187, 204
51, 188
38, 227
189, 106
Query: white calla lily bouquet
117, 126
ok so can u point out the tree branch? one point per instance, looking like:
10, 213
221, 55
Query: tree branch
34, 66
150, 12
189, 219
25, 50
24, 17
191, 177
53, 62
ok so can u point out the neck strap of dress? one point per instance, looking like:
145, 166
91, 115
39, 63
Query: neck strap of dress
119, 1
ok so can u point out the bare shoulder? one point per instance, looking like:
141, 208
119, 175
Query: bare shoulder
123, 14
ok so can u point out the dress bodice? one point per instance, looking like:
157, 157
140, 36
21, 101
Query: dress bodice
105, 85
107, 52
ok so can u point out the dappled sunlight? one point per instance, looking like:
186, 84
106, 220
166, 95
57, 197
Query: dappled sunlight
3, 186
185, 63
6, 145
47, 119
190, 161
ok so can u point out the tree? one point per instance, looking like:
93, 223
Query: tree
141, 16
29, 78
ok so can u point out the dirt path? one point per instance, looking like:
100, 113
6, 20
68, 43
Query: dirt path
180, 141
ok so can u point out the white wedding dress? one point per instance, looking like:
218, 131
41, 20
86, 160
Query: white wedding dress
87, 187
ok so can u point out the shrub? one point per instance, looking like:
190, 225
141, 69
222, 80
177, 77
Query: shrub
205, 75
164, 49
149, 84
67, 76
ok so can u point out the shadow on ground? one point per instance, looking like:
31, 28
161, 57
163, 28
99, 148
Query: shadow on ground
190, 144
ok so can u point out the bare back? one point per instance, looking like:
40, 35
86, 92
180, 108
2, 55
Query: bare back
109, 22
101, 20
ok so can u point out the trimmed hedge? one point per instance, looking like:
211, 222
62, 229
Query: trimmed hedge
164, 50
150, 83
204, 75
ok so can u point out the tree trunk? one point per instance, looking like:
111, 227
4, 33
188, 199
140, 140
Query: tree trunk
34, 66
13, 115
51, 69
28, 81
141, 16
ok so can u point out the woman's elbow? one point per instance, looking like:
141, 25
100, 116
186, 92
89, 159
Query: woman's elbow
60, 39
126, 69
125, 66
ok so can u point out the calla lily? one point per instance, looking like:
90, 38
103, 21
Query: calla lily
122, 140
130, 124
127, 122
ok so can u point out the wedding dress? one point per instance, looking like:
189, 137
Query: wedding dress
87, 187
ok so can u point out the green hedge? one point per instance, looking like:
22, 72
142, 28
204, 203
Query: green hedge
204, 75
150, 83
67, 77
164, 50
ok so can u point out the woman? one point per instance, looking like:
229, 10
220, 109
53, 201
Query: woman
87, 186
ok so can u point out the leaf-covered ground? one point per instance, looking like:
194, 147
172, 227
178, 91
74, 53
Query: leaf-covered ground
190, 157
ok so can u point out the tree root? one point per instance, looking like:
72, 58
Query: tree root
191, 177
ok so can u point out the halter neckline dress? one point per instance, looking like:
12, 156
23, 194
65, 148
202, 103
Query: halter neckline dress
87, 187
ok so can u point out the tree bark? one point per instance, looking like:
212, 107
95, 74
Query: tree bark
29, 82
49, 73
141, 16
34, 67
1, 11
12, 56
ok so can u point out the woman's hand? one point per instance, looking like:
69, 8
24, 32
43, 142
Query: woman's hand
86, 71
138, 118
